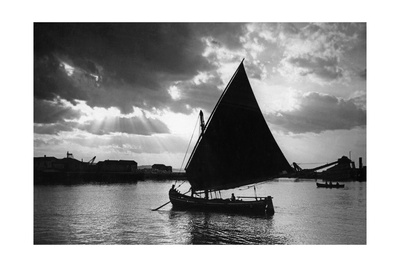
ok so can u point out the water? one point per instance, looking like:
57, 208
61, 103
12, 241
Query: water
121, 214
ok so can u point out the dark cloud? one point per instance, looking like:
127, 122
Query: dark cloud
124, 65
52, 82
53, 111
203, 94
116, 64
360, 101
123, 48
222, 34
318, 113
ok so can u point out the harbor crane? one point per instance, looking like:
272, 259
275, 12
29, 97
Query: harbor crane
90, 162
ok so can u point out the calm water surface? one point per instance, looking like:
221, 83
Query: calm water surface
121, 214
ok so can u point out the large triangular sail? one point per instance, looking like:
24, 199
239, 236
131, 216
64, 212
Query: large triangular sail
237, 147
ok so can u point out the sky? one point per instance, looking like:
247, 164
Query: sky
133, 91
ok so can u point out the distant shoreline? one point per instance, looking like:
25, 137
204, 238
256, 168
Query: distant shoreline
72, 178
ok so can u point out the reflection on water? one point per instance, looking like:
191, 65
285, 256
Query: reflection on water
217, 228
121, 214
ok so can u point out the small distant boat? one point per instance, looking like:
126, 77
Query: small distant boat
330, 185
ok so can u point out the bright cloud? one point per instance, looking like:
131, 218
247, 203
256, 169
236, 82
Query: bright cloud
68, 69
174, 92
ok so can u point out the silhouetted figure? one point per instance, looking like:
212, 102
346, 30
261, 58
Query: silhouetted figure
233, 198
172, 188
297, 167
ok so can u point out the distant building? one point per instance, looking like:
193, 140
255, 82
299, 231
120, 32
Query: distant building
117, 166
60, 165
343, 170
69, 165
162, 167
43, 163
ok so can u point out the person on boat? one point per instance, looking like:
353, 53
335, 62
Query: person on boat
233, 198
172, 189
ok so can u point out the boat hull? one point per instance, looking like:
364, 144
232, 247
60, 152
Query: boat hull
330, 185
182, 202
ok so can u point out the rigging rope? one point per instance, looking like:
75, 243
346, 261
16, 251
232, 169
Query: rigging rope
246, 187
190, 141
313, 163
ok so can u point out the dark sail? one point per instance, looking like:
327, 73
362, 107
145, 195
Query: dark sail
237, 147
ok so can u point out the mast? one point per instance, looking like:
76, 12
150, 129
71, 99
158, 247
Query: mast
202, 125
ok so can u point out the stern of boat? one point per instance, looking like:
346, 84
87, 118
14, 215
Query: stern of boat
270, 206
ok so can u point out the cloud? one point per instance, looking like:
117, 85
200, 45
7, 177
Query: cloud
39, 142
222, 34
318, 112
324, 68
53, 128
322, 52
204, 94
51, 81
46, 111
121, 65
130, 65
53, 117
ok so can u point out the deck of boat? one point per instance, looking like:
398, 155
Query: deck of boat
330, 185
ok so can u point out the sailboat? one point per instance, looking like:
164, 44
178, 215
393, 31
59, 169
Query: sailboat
235, 148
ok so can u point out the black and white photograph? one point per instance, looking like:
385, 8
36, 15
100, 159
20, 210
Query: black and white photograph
160, 135
200, 133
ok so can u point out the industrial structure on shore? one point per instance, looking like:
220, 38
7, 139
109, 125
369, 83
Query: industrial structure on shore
341, 170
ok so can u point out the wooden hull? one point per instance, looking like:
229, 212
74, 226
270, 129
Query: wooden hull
183, 202
330, 185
